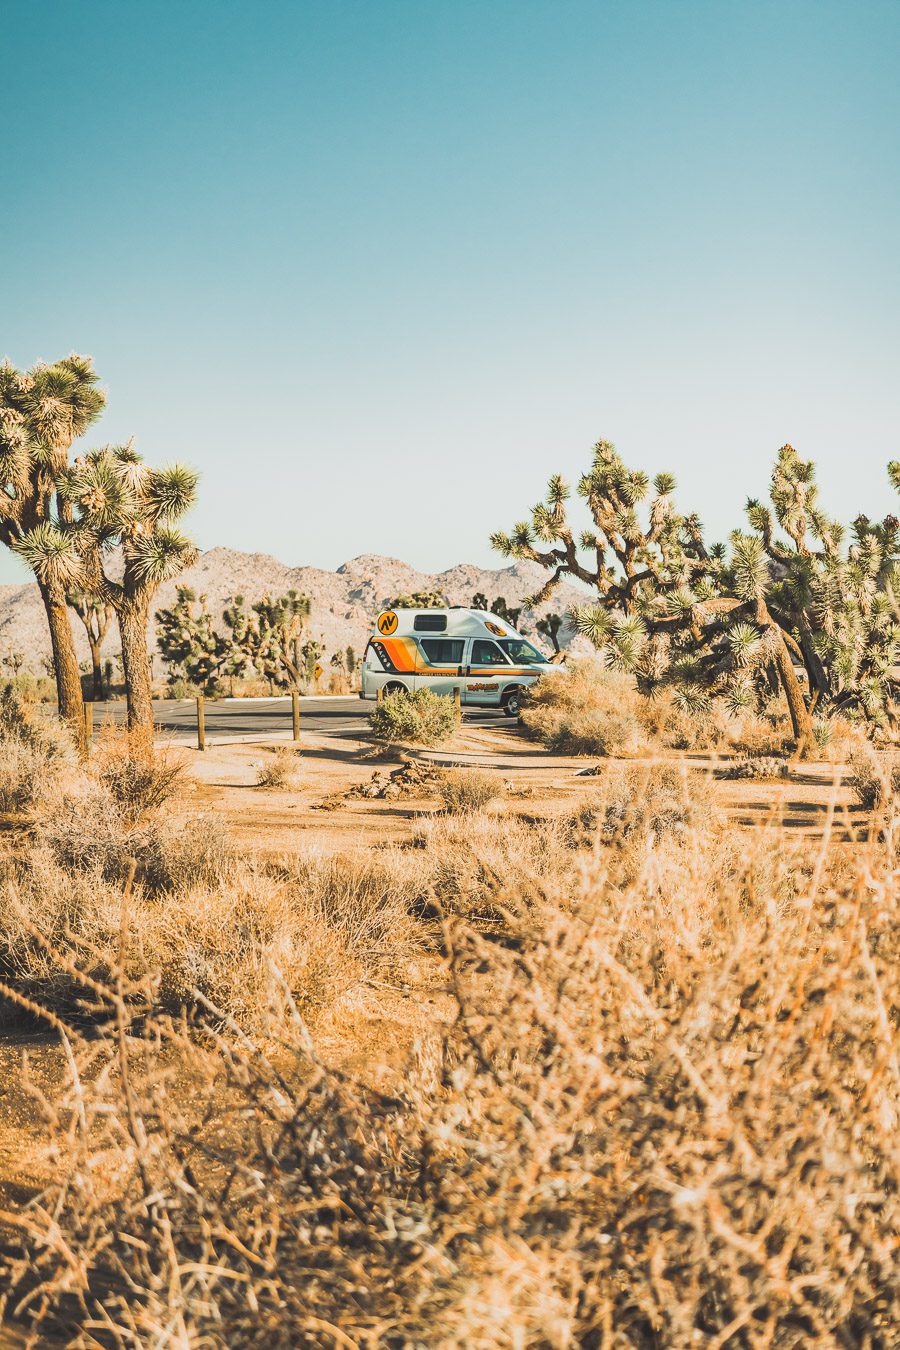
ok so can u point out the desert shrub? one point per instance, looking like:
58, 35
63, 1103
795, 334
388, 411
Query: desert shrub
873, 781
26, 776
139, 778
491, 876
89, 833
419, 718
767, 733
279, 770
669, 725
659, 800
634, 1131
762, 768
584, 709
325, 924
468, 789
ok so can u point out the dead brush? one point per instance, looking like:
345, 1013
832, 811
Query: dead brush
462, 790
280, 769
639, 1137
139, 777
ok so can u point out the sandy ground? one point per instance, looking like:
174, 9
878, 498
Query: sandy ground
539, 784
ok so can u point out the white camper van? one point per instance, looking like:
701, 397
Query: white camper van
448, 649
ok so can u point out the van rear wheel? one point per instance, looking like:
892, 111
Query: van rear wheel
511, 702
395, 687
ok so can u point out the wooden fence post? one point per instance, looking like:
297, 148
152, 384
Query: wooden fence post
457, 696
88, 726
295, 713
379, 693
201, 724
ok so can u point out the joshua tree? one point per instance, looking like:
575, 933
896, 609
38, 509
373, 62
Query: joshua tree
15, 661
669, 608
503, 611
96, 616
312, 651
549, 627
350, 662
119, 503
417, 600
188, 642
839, 602
42, 412
270, 636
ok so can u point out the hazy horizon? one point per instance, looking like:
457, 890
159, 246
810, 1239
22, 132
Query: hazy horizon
377, 271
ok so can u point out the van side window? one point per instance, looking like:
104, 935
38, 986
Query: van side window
430, 623
486, 653
443, 651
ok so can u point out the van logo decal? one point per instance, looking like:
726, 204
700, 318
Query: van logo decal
494, 628
387, 622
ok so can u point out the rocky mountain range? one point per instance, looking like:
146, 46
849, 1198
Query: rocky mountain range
343, 603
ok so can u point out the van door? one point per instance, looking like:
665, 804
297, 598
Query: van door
485, 670
439, 664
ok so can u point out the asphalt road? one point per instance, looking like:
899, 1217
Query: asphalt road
249, 718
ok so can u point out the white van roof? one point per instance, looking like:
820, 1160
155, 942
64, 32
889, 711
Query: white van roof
454, 622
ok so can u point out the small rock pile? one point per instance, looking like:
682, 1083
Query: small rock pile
412, 779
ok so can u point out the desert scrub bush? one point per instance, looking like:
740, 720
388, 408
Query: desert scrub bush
280, 769
873, 780
491, 876
325, 923
419, 718
685, 1141
761, 769
138, 777
468, 789
88, 832
584, 709
667, 724
659, 800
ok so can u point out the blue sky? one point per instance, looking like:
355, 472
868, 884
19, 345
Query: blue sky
378, 267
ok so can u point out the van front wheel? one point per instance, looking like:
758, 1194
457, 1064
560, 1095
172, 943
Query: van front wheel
511, 702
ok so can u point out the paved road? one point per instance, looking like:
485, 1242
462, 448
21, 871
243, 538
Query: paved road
259, 717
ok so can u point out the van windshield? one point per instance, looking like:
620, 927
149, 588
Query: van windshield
521, 653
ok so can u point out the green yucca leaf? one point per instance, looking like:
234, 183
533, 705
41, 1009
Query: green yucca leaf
595, 623
679, 603
692, 699
744, 643
160, 554
170, 492
52, 555
760, 518
664, 484
557, 490
749, 566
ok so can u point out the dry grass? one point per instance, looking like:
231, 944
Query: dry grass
280, 769
665, 1113
585, 709
658, 1120
468, 789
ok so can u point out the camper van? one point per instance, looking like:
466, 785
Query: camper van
446, 650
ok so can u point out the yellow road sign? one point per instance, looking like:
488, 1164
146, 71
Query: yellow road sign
387, 623
318, 671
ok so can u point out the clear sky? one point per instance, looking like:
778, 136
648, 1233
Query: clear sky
377, 267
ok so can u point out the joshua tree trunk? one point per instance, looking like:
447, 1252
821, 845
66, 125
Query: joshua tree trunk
801, 721
65, 662
132, 615
96, 670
